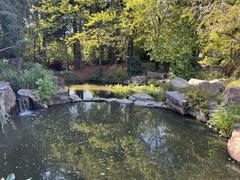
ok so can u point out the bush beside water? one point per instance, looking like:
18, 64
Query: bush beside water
32, 76
225, 119
126, 91
198, 99
118, 75
70, 77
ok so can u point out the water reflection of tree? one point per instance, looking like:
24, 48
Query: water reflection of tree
108, 146
119, 142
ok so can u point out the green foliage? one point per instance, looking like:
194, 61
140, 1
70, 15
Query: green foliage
220, 98
236, 73
125, 91
184, 69
210, 75
25, 78
153, 82
97, 76
233, 83
217, 24
225, 119
70, 77
135, 66
46, 87
173, 43
151, 66
58, 50
197, 99
118, 75
13, 15
32, 76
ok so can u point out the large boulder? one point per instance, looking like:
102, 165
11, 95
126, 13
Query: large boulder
139, 80
155, 75
212, 87
8, 96
232, 95
179, 83
32, 97
177, 101
61, 96
141, 97
233, 145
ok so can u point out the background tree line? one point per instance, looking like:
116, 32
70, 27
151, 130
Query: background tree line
179, 34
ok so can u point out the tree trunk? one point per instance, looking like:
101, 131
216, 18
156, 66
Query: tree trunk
78, 64
130, 55
113, 56
101, 55
77, 56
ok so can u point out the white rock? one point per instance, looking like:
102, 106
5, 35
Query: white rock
141, 97
179, 83
212, 87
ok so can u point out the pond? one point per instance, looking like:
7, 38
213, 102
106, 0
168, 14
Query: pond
111, 141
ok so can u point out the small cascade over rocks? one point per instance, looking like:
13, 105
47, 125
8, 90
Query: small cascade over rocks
24, 105
28, 101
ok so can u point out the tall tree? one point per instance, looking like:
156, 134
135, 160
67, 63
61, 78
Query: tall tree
13, 17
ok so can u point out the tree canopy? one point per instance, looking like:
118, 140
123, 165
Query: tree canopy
180, 34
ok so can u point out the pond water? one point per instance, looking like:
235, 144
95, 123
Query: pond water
112, 141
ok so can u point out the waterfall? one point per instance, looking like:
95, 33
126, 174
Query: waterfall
24, 105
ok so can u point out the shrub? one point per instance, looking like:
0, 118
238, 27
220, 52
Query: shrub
164, 85
236, 73
210, 75
233, 83
154, 82
220, 98
184, 69
125, 91
225, 118
32, 76
97, 76
7, 73
70, 77
26, 78
150, 66
197, 99
118, 75
135, 67
46, 87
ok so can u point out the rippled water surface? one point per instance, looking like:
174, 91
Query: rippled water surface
103, 141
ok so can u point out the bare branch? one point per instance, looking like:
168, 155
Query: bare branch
11, 47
